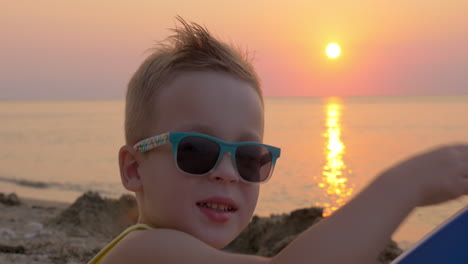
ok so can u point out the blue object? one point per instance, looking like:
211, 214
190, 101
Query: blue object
448, 244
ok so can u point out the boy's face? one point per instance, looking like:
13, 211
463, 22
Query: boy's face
210, 103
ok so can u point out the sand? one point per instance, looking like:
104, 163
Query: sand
38, 231
35, 231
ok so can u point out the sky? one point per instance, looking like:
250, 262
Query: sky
88, 50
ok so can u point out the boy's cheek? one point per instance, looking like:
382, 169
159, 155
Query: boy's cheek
252, 196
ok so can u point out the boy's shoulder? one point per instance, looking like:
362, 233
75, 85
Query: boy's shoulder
136, 245
171, 246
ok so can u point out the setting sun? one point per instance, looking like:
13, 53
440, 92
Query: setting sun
333, 50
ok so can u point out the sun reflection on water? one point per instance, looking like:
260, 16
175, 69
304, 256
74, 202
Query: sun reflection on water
334, 180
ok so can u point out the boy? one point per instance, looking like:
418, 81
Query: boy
190, 109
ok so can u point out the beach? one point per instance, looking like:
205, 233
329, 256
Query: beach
39, 231
26, 235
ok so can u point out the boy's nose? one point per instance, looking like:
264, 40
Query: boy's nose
225, 171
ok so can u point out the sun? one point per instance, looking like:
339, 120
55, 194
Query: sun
333, 50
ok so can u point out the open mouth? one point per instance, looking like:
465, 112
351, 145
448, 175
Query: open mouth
217, 207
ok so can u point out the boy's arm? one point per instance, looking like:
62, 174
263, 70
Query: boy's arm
359, 230
354, 234
164, 246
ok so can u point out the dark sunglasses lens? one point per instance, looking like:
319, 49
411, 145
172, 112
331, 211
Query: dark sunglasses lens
197, 155
253, 162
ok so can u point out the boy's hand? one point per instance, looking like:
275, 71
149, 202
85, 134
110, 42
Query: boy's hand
435, 176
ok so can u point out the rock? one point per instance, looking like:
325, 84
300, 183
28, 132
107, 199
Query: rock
33, 229
12, 249
92, 215
7, 234
267, 236
391, 252
10, 200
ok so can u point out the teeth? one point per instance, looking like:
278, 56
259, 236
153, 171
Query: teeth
217, 207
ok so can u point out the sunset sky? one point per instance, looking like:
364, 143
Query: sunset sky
55, 50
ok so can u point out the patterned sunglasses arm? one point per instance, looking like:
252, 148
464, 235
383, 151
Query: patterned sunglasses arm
152, 142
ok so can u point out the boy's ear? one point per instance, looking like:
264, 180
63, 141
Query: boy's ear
128, 165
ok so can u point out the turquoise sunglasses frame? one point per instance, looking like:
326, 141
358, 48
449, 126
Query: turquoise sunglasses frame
175, 137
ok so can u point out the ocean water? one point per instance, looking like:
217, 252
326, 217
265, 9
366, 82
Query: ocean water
331, 149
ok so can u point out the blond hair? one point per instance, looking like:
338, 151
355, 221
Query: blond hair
191, 48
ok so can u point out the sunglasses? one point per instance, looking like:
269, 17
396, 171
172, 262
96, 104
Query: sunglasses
199, 154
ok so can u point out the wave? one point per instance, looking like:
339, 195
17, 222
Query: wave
27, 183
58, 186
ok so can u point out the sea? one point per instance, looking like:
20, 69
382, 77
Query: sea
331, 148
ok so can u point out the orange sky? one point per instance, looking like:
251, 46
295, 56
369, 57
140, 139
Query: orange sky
89, 49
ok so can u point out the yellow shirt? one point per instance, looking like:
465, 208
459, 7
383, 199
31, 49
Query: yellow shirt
97, 259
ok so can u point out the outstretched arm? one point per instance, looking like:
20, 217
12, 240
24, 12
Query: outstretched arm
359, 231
354, 234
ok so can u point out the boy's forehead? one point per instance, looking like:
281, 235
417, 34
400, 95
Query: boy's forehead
197, 87
209, 102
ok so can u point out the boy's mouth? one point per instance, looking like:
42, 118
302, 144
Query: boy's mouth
217, 209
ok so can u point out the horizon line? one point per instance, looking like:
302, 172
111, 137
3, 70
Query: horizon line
5, 100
